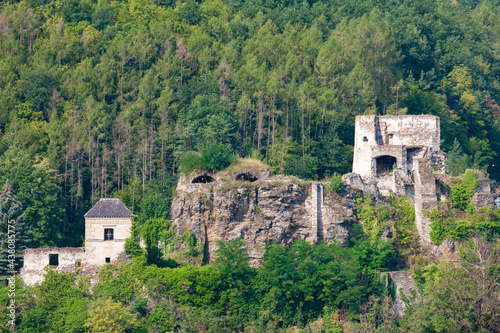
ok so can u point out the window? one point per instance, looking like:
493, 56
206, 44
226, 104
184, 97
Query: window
54, 259
365, 139
108, 234
108, 260
78, 264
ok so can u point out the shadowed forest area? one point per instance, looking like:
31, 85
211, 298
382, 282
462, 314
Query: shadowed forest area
102, 98
117, 98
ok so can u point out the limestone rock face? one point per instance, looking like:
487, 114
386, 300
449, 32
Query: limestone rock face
278, 209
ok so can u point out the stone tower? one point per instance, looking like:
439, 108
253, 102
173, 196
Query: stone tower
386, 148
396, 153
107, 225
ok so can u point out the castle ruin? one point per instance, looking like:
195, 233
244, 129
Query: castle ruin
107, 225
400, 155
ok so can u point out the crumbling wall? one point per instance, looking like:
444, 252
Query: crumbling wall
400, 282
482, 194
392, 135
36, 260
425, 198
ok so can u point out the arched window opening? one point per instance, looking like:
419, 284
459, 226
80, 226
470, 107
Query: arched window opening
246, 177
203, 179
385, 164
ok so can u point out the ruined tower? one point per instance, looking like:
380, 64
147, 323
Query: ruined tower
397, 153
386, 148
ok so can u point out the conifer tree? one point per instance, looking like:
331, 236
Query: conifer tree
13, 231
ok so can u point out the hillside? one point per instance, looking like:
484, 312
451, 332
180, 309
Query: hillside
104, 98
122, 99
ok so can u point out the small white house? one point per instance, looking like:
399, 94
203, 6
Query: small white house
107, 225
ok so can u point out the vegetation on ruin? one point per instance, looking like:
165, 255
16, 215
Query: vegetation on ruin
103, 98
457, 219
117, 98
394, 216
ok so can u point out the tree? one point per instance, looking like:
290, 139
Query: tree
106, 316
457, 161
14, 232
39, 193
36, 87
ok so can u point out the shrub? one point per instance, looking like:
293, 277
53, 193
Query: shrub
216, 156
336, 183
133, 248
462, 193
191, 161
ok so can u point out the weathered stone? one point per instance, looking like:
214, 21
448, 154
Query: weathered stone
482, 194
279, 209
397, 153
401, 282
107, 225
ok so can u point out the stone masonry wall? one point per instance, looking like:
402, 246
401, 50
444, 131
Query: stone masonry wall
425, 197
36, 260
96, 248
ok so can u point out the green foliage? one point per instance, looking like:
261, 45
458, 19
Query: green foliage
304, 167
192, 243
117, 283
36, 87
461, 195
448, 222
216, 156
397, 214
106, 316
462, 220
374, 254
133, 247
61, 305
101, 99
443, 307
191, 161
14, 231
155, 257
336, 183
37, 189
102, 18
457, 161
311, 277
153, 229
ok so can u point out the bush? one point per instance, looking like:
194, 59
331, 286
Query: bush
216, 156
462, 193
133, 248
191, 161
336, 183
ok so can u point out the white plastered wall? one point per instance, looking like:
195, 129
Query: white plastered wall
96, 248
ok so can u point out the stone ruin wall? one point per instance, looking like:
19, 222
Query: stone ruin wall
70, 259
400, 282
391, 135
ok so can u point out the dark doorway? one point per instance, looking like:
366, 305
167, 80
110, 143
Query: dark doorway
246, 177
203, 179
108, 260
385, 164
54, 259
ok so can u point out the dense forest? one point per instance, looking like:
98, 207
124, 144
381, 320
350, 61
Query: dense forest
104, 98
108, 98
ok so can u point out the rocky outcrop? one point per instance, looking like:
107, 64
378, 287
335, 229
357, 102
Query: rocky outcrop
400, 282
280, 209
